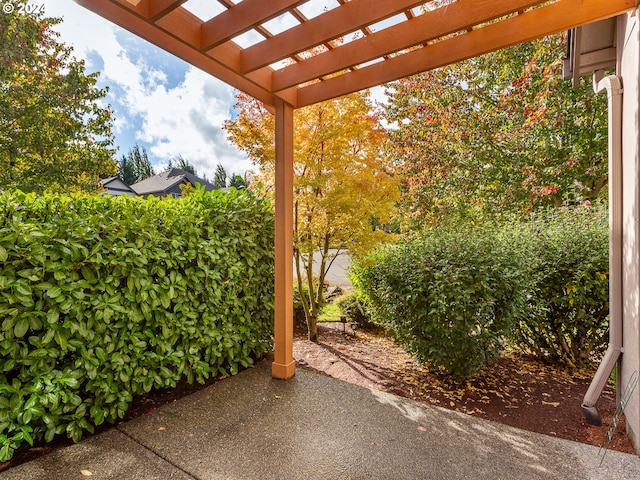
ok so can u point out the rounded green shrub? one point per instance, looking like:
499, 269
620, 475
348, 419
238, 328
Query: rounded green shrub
448, 295
567, 314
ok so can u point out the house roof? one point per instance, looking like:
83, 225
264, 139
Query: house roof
164, 181
347, 46
116, 184
106, 181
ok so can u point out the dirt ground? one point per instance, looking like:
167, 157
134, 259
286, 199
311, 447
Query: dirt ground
514, 390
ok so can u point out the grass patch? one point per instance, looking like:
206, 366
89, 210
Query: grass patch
330, 313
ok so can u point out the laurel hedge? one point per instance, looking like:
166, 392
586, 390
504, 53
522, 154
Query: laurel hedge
103, 298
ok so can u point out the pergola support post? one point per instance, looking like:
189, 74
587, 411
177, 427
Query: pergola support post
283, 366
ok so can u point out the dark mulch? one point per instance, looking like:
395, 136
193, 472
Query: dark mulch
514, 390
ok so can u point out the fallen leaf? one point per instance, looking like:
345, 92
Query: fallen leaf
86, 473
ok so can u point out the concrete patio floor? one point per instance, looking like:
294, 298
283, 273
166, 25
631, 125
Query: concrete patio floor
314, 427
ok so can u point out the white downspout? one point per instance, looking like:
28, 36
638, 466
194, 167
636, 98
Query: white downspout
613, 87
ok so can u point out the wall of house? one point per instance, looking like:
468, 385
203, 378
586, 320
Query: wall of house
175, 190
116, 187
629, 70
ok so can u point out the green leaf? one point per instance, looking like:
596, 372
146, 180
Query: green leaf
23, 288
61, 339
69, 381
54, 292
21, 327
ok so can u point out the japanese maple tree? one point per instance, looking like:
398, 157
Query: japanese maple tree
341, 183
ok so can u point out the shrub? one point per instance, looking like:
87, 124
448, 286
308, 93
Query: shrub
449, 295
566, 319
452, 294
105, 297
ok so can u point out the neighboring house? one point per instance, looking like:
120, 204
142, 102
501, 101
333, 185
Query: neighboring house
168, 183
116, 186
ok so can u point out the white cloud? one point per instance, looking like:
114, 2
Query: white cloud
160, 102
189, 117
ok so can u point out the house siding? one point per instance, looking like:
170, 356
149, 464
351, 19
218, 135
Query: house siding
118, 187
629, 70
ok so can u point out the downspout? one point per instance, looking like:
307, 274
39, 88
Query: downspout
613, 87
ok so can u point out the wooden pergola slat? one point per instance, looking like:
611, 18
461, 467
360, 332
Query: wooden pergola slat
159, 8
241, 18
340, 21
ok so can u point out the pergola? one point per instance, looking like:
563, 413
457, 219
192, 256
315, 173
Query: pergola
345, 47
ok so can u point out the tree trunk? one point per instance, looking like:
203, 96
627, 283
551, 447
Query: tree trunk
312, 327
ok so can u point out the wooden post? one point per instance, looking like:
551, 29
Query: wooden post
283, 366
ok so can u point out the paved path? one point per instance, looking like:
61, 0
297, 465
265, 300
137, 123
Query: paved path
315, 427
337, 275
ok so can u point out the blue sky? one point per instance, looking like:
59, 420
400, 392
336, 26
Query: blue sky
160, 102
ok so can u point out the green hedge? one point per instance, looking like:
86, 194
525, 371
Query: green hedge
105, 297
455, 295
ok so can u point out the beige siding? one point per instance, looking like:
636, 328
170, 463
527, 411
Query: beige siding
630, 73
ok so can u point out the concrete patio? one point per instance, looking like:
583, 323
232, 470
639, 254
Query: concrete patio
314, 427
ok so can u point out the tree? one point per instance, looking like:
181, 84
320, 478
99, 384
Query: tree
238, 181
55, 134
498, 133
340, 183
183, 164
220, 177
135, 166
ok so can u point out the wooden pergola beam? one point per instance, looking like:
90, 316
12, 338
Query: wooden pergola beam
335, 23
241, 18
416, 31
536, 23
